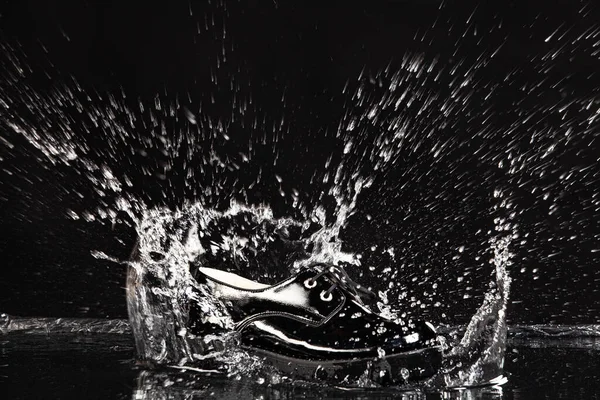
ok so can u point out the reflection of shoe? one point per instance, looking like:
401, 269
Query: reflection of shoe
315, 325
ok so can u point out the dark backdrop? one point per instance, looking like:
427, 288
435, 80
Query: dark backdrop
307, 49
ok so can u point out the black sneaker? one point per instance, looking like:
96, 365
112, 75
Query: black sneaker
316, 325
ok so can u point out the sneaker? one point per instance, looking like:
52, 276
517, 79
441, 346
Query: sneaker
317, 325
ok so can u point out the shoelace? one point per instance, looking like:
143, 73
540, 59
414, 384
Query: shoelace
339, 278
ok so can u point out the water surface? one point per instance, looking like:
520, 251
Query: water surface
42, 359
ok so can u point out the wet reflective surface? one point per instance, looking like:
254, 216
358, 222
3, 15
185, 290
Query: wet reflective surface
95, 365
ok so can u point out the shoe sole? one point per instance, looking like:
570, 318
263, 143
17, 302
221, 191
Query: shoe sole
410, 366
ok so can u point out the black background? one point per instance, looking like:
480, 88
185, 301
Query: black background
309, 51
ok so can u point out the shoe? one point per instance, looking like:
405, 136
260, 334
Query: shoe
317, 325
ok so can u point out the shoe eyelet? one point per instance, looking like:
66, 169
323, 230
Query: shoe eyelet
328, 298
308, 284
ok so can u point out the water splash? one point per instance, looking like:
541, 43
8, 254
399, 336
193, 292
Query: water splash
479, 356
401, 127
160, 284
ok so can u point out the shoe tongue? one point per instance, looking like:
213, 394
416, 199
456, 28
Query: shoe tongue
303, 270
